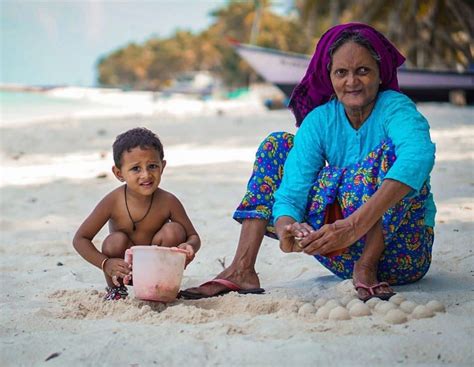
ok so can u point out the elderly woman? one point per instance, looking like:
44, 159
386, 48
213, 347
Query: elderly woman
354, 191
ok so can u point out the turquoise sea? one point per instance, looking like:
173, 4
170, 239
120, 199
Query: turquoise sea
18, 107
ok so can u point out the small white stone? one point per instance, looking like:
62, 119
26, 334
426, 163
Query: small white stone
359, 309
355, 301
422, 312
332, 303
384, 307
397, 299
346, 299
323, 313
436, 306
320, 302
408, 306
339, 313
373, 302
306, 310
345, 287
395, 316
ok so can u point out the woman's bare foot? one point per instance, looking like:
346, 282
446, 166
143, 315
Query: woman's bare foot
245, 279
241, 271
366, 274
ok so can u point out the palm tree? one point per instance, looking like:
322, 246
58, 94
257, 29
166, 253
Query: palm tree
431, 33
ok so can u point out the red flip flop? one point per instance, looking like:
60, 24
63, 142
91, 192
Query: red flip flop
230, 287
371, 290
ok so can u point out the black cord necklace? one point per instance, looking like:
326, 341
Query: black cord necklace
134, 222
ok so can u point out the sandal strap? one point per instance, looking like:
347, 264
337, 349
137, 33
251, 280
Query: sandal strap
116, 293
370, 288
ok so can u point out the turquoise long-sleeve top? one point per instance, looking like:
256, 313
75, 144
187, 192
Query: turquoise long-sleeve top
327, 137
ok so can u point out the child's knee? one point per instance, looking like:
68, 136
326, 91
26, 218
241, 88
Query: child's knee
115, 244
171, 234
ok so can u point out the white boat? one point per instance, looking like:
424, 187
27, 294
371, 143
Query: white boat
285, 70
199, 83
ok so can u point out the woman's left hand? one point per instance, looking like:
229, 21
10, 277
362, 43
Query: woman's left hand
330, 238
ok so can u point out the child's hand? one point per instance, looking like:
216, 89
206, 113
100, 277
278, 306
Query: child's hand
189, 252
117, 268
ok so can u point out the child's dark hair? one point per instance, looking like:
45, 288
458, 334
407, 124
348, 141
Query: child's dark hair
137, 137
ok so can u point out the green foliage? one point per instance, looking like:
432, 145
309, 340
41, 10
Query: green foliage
431, 33
154, 64
434, 34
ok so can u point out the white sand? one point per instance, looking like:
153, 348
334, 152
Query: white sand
53, 174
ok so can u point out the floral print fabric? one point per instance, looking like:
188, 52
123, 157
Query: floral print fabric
408, 240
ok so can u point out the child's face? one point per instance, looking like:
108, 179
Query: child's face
141, 170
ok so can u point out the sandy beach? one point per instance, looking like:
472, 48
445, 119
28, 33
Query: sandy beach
54, 172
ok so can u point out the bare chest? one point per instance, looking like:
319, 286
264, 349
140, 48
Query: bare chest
139, 222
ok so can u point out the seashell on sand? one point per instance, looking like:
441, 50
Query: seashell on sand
323, 313
332, 303
397, 299
422, 312
384, 307
320, 302
373, 302
307, 309
395, 316
346, 299
345, 287
408, 306
354, 302
359, 309
436, 306
339, 313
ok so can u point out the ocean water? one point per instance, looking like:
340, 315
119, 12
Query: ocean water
23, 107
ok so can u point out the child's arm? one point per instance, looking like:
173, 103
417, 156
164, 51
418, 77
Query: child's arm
82, 241
178, 215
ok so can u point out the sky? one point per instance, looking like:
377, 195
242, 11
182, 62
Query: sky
46, 42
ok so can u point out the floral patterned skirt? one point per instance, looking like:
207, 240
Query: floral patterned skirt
408, 241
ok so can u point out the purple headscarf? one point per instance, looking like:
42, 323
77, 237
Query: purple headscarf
316, 88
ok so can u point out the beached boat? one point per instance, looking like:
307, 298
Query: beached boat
285, 70
197, 83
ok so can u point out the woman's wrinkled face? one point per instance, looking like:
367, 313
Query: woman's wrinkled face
355, 77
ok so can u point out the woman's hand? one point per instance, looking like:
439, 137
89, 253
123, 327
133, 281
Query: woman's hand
292, 235
117, 268
190, 253
330, 238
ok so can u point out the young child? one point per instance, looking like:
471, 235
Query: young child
138, 212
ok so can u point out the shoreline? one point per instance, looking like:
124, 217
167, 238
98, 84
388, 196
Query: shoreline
79, 103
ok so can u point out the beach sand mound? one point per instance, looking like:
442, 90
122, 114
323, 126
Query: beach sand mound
89, 304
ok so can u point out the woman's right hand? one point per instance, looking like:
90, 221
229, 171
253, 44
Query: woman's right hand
117, 268
291, 235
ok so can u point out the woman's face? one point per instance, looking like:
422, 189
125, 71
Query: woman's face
355, 77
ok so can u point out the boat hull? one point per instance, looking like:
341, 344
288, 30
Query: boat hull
285, 70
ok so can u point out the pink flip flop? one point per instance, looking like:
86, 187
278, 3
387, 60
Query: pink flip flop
230, 287
371, 290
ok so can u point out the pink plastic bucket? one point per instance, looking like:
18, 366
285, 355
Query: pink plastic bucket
157, 271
